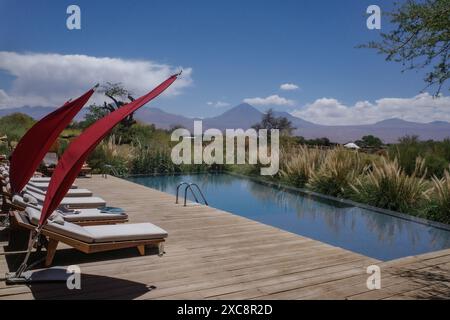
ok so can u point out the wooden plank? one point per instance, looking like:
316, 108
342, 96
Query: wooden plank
212, 254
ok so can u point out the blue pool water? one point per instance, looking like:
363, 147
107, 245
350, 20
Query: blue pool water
370, 233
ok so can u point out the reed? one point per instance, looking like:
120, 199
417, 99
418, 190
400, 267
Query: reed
336, 172
388, 186
299, 164
439, 207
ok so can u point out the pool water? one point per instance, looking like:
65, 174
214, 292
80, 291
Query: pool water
370, 233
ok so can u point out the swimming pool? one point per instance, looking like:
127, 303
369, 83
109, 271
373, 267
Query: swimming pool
370, 233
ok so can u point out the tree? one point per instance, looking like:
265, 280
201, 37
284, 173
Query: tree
15, 125
95, 112
269, 121
116, 92
370, 141
420, 39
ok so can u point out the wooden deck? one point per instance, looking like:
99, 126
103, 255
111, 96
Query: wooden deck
211, 254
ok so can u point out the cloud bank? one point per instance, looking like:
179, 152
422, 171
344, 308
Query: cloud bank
52, 79
421, 108
274, 100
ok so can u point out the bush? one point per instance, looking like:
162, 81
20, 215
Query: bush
338, 170
388, 186
111, 153
435, 153
439, 206
14, 126
149, 160
299, 164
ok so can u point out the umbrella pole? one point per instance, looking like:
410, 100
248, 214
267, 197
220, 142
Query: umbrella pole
16, 277
23, 267
23, 276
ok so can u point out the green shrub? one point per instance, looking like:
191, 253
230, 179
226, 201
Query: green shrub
388, 186
149, 160
435, 153
14, 126
338, 170
113, 154
439, 205
299, 164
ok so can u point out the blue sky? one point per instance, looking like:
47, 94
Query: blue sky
234, 50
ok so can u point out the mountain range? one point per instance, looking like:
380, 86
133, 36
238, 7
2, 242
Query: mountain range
244, 116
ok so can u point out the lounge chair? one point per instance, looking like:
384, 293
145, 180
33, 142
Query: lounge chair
41, 179
44, 185
72, 202
92, 239
82, 217
70, 193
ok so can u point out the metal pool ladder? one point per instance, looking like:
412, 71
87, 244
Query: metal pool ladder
189, 187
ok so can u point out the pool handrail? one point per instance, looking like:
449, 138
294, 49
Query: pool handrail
199, 190
189, 186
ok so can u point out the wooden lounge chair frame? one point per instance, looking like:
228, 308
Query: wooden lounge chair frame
55, 238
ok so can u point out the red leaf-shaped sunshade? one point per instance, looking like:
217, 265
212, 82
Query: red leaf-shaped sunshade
76, 154
33, 146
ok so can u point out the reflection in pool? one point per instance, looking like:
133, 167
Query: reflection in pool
370, 233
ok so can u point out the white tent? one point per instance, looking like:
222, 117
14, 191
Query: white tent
351, 145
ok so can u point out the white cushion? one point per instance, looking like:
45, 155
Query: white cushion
56, 218
43, 185
74, 202
70, 193
124, 232
40, 179
70, 230
33, 215
18, 201
30, 199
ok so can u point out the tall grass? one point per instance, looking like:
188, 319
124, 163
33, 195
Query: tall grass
388, 186
439, 208
299, 164
152, 160
371, 179
111, 152
336, 172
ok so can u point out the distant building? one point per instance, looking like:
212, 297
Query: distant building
351, 145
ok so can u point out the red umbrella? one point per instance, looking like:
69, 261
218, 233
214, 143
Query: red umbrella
76, 154
33, 146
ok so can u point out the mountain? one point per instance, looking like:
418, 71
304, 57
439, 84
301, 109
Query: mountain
34, 112
298, 123
389, 131
162, 119
244, 116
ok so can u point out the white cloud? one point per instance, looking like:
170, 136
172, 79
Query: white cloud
421, 108
51, 79
218, 104
274, 100
289, 86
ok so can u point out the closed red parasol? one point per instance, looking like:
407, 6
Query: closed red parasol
76, 154
33, 146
